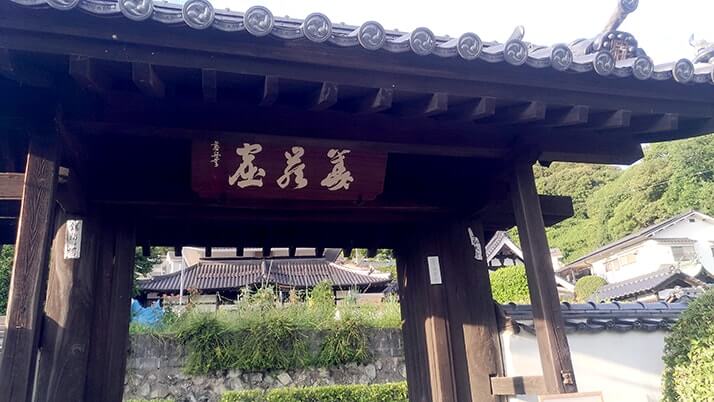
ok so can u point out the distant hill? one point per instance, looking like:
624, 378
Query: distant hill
611, 202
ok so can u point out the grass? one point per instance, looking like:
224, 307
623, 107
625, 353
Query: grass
260, 335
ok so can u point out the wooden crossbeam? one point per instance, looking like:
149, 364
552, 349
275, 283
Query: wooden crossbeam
270, 92
324, 98
379, 101
147, 80
529, 385
209, 84
610, 120
86, 73
437, 103
655, 124
11, 186
520, 114
24, 73
571, 116
474, 110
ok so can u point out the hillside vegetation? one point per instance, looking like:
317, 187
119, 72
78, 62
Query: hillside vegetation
611, 202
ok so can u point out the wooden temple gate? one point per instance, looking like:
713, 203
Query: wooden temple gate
245, 130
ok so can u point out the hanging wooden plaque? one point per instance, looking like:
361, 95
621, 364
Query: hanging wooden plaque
239, 169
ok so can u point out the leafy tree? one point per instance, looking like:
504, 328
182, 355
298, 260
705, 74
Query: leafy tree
6, 256
586, 286
509, 284
689, 354
610, 203
143, 265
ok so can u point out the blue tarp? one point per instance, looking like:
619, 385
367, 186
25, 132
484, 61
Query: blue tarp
149, 316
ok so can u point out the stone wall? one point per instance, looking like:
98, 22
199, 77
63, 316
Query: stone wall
155, 370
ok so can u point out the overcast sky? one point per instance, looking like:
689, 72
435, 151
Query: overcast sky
662, 27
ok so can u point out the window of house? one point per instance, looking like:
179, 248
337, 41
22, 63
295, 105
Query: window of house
628, 259
684, 253
612, 265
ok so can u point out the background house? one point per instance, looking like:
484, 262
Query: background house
674, 254
224, 274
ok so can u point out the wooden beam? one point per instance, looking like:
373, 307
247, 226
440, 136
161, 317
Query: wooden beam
529, 385
565, 117
436, 104
663, 123
62, 365
12, 68
209, 84
610, 120
85, 71
346, 68
520, 114
270, 92
11, 185
547, 318
27, 291
472, 111
325, 97
379, 101
146, 79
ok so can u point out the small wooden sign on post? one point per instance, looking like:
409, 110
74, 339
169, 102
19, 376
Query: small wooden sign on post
235, 169
576, 397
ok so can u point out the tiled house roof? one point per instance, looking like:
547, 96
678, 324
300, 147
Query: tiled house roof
636, 237
601, 54
598, 317
234, 274
653, 282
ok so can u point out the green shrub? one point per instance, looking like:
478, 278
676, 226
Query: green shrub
322, 296
509, 284
689, 354
345, 343
586, 286
396, 392
243, 396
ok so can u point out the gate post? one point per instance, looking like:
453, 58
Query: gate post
29, 273
110, 329
547, 318
451, 338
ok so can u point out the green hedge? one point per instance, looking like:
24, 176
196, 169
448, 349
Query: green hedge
509, 284
689, 354
586, 286
395, 392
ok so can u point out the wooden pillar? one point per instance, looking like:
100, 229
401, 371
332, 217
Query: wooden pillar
425, 329
29, 274
450, 331
110, 330
476, 346
548, 321
62, 366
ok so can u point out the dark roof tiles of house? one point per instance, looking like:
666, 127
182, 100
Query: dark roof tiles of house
583, 55
236, 273
655, 281
598, 317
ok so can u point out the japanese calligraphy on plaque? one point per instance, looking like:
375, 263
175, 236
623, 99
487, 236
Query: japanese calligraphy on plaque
253, 169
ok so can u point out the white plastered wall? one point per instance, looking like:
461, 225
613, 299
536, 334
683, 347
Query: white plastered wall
624, 366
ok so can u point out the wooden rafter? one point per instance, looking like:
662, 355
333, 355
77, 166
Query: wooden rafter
147, 80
